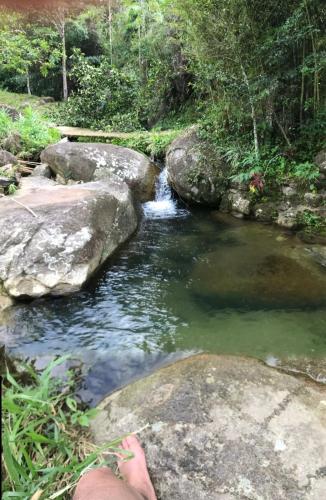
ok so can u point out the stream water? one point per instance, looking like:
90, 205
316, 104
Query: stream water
186, 282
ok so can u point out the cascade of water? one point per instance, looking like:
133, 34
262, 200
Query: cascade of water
164, 206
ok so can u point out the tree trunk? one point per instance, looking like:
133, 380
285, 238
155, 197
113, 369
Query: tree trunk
316, 74
278, 123
253, 112
64, 62
28, 83
302, 85
110, 33
58, 19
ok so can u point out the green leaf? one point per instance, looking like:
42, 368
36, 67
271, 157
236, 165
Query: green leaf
83, 420
10, 463
71, 403
39, 438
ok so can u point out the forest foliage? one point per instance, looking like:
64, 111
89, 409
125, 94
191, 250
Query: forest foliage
252, 75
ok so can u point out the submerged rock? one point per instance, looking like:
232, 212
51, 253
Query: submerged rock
314, 368
195, 172
318, 253
61, 235
92, 162
222, 427
258, 270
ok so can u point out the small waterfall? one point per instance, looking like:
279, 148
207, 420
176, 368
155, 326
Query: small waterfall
164, 206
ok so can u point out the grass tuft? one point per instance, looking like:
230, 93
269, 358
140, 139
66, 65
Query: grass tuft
45, 436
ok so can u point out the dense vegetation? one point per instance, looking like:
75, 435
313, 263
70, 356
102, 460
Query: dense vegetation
27, 136
252, 76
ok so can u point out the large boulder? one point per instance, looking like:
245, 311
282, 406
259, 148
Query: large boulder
92, 162
52, 238
222, 427
195, 172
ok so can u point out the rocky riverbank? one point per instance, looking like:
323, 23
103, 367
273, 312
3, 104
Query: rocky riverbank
80, 204
203, 177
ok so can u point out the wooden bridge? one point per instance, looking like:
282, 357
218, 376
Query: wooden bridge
75, 132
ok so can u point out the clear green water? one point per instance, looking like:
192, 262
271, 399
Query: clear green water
182, 285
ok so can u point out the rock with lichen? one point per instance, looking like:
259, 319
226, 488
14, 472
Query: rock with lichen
102, 162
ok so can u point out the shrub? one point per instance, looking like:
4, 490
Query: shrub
312, 222
273, 166
104, 93
6, 125
33, 132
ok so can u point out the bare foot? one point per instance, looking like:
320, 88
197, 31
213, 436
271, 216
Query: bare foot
135, 470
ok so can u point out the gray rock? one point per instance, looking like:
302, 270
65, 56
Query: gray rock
314, 368
289, 191
225, 204
194, 171
42, 170
288, 218
75, 230
11, 111
222, 427
12, 143
235, 201
5, 302
92, 162
7, 158
312, 238
5, 181
320, 160
314, 199
265, 212
240, 202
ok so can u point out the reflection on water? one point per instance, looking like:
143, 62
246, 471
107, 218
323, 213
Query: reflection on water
182, 285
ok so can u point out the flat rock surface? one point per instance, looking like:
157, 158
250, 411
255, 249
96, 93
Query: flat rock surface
223, 427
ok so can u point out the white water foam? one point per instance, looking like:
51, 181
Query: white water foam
164, 206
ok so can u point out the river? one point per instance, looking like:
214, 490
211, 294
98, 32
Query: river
188, 281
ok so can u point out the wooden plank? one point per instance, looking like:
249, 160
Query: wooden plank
84, 132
